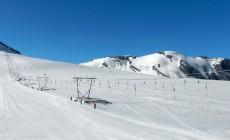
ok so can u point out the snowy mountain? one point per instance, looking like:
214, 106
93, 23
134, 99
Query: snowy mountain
168, 64
142, 106
5, 48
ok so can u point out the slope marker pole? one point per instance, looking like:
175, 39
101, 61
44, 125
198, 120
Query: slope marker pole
135, 88
185, 81
174, 91
206, 87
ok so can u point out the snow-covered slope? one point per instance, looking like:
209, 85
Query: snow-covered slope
143, 107
167, 64
5, 48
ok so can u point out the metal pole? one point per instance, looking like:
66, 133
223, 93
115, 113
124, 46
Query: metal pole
91, 81
77, 89
206, 89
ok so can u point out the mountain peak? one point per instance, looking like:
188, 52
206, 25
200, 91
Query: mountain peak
167, 64
5, 48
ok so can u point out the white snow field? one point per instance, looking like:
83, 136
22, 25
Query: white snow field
159, 109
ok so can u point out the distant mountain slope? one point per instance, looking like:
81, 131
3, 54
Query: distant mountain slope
168, 64
5, 48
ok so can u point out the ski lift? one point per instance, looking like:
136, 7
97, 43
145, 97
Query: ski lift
27, 80
81, 95
42, 83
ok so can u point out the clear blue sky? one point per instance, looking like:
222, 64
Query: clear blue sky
80, 30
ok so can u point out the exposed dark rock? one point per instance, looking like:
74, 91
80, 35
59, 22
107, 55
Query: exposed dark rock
161, 52
4, 47
105, 65
190, 71
169, 57
222, 69
204, 57
225, 64
159, 72
123, 57
134, 69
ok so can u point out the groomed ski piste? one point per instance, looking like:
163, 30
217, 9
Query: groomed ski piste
143, 107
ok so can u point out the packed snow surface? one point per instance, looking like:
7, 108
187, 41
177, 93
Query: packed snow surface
143, 107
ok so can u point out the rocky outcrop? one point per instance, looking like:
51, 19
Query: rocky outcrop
5, 48
223, 69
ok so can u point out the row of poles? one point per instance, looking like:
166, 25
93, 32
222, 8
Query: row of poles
116, 84
135, 87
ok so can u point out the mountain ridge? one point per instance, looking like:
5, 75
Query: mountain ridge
168, 64
6, 48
